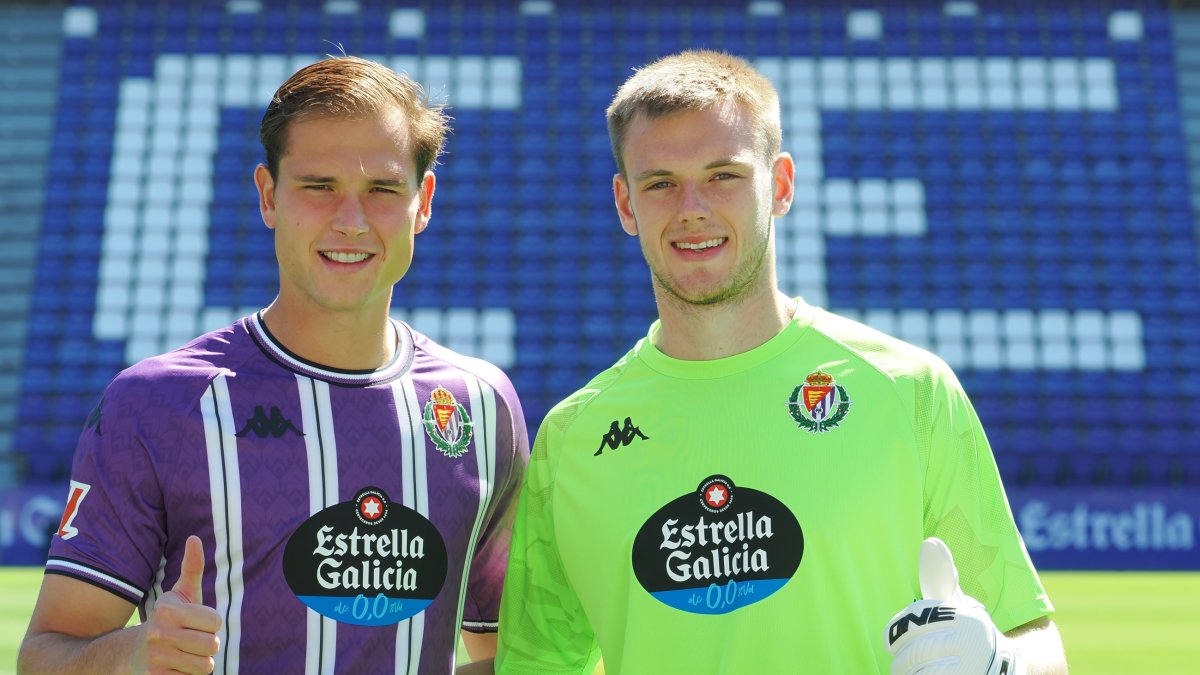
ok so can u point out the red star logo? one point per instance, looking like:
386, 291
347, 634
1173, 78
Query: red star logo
371, 508
716, 496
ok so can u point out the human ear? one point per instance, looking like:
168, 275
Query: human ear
783, 184
266, 194
623, 199
425, 210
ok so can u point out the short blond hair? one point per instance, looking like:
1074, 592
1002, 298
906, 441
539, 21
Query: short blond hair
696, 80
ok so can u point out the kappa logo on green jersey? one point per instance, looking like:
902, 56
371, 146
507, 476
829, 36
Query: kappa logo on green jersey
620, 437
718, 548
820, 404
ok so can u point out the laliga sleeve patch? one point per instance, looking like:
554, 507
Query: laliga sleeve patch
66, 527
368, 562
717, 549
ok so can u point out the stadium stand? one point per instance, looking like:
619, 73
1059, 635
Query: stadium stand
29, 75
1005, 183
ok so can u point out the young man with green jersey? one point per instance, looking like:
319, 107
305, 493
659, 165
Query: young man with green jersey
750, 489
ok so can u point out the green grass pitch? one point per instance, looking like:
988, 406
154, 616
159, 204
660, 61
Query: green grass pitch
1112, 622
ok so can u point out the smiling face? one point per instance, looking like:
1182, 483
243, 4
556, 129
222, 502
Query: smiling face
345, 207
700, 196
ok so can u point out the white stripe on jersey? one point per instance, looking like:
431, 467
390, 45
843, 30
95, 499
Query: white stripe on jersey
316, 411
410, 633
55, 563
156, 590
483, 414
225, 488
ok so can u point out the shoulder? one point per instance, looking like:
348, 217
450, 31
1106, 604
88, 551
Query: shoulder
486, 371
606, 383
183, 373
152, 395
892, 358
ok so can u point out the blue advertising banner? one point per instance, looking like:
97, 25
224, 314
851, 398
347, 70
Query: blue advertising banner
29, 516
1064, 528
1109, 529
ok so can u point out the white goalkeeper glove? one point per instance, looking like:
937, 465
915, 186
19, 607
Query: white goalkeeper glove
947, 632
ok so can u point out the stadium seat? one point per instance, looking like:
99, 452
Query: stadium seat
1047, 247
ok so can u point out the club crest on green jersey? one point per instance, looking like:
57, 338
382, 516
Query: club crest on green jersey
820, 404
447, 423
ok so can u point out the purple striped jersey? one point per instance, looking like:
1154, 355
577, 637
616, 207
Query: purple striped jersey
352, 521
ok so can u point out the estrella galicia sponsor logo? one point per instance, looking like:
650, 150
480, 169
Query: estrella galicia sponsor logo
820, 404
619, 436
262, 425
717, 549
368, 562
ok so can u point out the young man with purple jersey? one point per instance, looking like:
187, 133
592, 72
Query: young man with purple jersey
316, 488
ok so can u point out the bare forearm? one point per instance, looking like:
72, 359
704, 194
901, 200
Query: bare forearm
1041, 648
484, 667
482, 649
59, 653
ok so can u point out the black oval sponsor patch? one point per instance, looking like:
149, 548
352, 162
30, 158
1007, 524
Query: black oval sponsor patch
369, 562
717, 549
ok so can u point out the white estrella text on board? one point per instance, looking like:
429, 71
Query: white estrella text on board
1139, 527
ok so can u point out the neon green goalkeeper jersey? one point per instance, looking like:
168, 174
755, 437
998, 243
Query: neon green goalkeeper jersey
760, 513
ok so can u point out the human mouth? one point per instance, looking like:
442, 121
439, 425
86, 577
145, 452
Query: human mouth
344, 257
700, 246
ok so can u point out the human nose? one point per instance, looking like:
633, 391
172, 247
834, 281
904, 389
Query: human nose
350, 218
692, 206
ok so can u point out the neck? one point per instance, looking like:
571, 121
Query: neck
706, 332
358, 340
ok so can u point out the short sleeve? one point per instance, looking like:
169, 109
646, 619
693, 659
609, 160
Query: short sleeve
485, 582
965, 506
543, 628
113, 529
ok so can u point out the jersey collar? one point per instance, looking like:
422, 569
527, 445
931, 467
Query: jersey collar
730, 365
398, 365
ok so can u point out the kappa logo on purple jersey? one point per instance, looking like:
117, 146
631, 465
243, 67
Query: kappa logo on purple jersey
94, 417
718, 548
275, 425
369, 562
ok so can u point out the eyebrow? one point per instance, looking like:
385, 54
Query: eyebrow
382, 182
658, 173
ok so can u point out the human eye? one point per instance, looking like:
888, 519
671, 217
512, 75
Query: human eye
317, 187
658, 185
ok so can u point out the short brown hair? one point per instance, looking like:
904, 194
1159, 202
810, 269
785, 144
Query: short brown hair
695, 80
347, 86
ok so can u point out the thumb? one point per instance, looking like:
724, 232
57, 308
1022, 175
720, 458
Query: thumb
939, 576
191, 572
